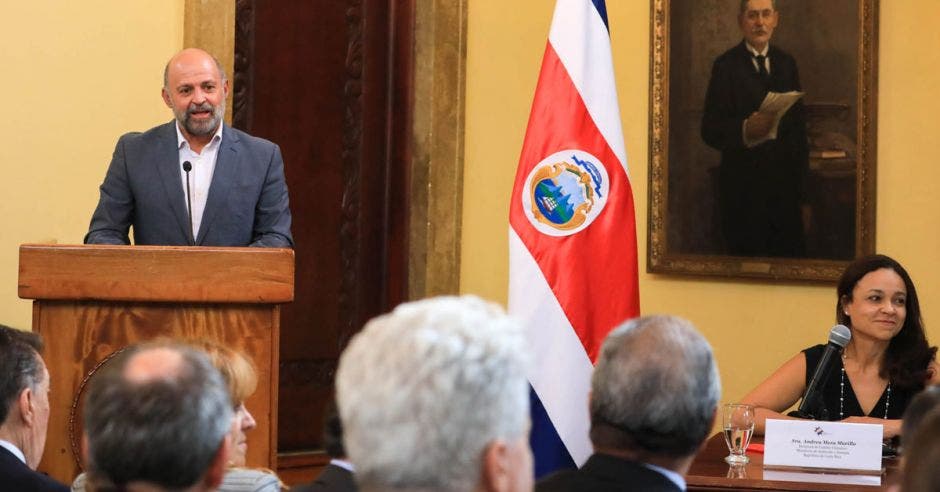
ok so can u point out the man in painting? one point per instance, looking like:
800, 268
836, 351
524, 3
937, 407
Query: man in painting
761, 179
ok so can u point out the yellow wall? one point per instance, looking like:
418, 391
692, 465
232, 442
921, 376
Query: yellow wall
75, 76
753, 326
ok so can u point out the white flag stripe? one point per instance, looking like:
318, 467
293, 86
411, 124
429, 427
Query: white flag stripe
580, 38
561, 372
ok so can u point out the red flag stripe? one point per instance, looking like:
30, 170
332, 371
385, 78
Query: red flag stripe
578, 267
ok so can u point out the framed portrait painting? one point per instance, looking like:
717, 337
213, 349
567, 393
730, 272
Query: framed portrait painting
762, 137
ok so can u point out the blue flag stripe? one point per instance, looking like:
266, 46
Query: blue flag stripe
548, 449
601, 7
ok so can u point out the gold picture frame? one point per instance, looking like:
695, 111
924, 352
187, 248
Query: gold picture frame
838, 68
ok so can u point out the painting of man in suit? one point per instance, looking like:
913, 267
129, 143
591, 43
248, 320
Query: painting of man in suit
728, 198
760, 182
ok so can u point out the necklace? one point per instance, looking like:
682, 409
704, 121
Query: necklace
842, 396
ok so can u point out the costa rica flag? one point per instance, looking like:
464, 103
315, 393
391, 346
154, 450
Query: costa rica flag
572, 236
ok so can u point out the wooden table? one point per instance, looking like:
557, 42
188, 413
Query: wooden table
710, 472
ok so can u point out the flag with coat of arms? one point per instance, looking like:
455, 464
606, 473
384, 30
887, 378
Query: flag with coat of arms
572, 235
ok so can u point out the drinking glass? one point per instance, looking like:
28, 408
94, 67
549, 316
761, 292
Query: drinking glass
737, 472
738, 423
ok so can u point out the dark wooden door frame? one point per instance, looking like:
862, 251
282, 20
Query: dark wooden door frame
423, 153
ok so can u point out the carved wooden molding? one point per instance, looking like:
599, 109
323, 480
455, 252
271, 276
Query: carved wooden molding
243, 76
210, 25
351, 156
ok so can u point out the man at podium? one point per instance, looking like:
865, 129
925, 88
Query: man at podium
194, 181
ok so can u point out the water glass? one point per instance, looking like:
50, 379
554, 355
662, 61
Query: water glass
738, 424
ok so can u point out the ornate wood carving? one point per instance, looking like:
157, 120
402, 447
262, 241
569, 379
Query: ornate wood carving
242, 99
352, 169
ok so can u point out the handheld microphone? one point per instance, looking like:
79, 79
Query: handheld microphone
811, 407
189, 200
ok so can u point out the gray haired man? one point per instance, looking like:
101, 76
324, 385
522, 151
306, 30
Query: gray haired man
157, 418
433, 396
24, 412
654, 395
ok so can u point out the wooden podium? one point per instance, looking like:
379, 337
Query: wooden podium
92, 301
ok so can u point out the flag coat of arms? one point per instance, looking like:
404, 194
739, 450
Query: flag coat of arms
572, 235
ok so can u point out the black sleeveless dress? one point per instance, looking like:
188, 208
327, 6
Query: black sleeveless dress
832, 391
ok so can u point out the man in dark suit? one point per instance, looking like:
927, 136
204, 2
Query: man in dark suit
194, 181
654, 394
761, 180
338, 475
24, 412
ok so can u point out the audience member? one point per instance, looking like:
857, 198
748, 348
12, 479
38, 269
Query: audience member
24, 412
925, 402
157, 417
654, 395
241, 379
338, 475
433, 396
922, 456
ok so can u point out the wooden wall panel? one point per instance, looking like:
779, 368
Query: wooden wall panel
330, 82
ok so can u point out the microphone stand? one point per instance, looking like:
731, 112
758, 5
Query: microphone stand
189, 201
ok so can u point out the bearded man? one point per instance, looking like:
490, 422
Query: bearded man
194, 180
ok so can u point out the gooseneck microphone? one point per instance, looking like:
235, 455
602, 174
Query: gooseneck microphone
812, 407
189, 200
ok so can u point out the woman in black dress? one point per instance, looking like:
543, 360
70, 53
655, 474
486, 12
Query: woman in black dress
887, 361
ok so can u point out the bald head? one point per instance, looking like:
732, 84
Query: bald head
188, 58
157, 364
158, 413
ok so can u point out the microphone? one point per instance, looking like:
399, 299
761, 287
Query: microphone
189, 200
810, 407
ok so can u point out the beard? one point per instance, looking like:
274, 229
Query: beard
201, 128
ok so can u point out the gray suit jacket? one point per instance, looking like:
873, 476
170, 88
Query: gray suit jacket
247, 203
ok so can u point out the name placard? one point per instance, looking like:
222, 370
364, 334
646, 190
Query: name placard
823, 445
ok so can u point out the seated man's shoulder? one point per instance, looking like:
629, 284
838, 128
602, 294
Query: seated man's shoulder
16, 475
608, 474
31, 481
561, 481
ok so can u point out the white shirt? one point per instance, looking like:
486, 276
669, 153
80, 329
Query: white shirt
755, 54
13, 449
200, 177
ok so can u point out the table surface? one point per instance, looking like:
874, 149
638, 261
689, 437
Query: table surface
710, 472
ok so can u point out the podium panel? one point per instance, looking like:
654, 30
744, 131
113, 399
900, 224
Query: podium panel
87, 315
